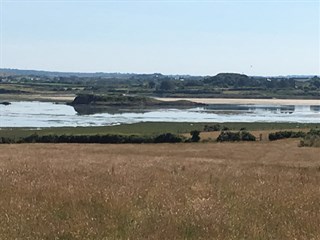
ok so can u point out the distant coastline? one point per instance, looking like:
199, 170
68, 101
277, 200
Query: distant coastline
260, 101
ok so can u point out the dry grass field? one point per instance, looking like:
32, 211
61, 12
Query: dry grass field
261, 190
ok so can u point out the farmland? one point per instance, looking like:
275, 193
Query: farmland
260, 190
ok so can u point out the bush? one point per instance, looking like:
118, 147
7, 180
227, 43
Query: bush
5, 140
215, 128
195, 136
31, 139
312, 139
167, 138
212, 128
286, 134
246, 136
227, 136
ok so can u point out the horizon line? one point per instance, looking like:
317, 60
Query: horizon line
150, 73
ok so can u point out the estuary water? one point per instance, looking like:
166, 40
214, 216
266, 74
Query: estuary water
46, 114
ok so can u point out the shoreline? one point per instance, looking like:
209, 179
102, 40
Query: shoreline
64, 98
247, 101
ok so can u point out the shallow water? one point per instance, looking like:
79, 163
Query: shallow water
44, 114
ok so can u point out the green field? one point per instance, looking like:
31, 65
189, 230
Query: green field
149, 128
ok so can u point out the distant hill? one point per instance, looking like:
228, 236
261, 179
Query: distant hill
50, 74
18, 72
9, 71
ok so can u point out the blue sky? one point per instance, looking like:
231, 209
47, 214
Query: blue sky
171, 37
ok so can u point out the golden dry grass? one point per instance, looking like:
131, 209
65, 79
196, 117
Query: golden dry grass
261, 190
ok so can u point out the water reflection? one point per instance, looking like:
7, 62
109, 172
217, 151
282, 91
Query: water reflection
239, 109
91, 110
40, 114
315, 109
211, 108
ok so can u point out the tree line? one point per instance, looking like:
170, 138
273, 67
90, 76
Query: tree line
123, 139
108, 138
308, 138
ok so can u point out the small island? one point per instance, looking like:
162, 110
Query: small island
116, 103
130, 101
5, 103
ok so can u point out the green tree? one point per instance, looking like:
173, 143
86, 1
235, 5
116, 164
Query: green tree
167, 85
195, 136
151, 84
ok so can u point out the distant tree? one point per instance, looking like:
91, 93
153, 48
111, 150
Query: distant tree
283, 83
315, 81
167, 85
193, 83
195, 136
151, 84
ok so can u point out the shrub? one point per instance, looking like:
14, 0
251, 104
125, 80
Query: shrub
246, 136
167, 138
212, 128
31, 139
195, 136
5, 140
312, 139
215, 128
226, 136
286, 134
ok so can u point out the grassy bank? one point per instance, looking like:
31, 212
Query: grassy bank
149, 128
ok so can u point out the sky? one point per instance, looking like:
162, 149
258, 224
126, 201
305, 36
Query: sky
254, 37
